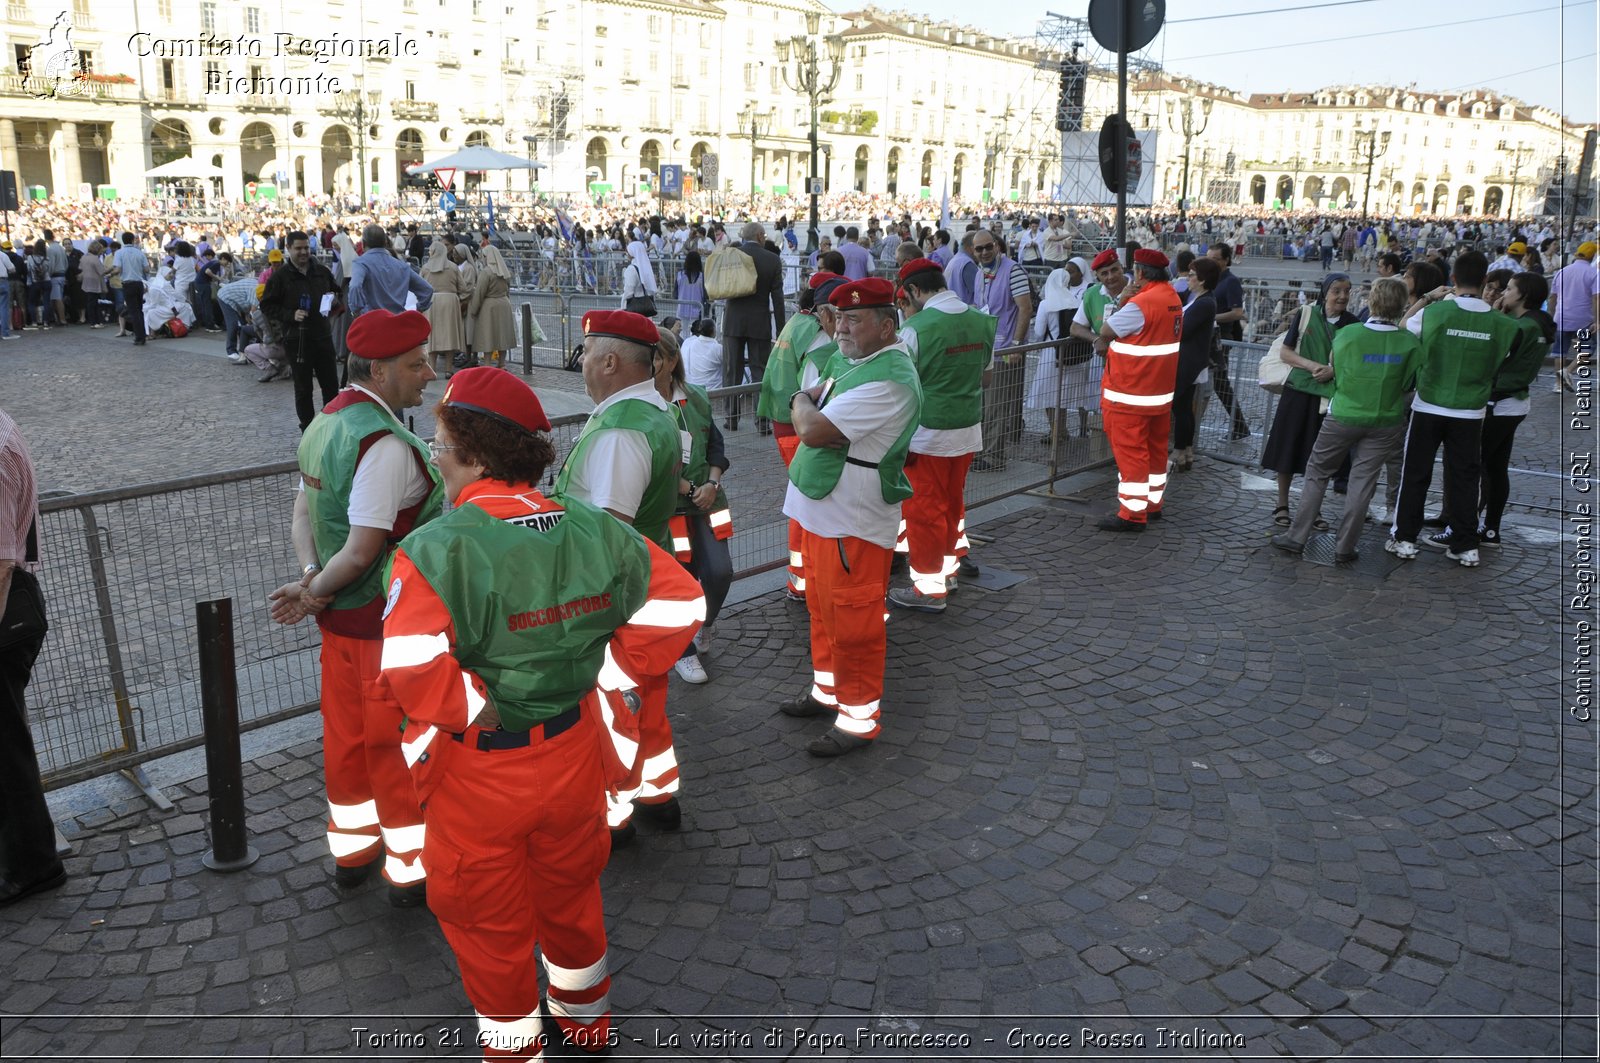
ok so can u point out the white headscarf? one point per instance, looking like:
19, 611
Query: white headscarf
438, 258
494, 262
1060, 293
647, 272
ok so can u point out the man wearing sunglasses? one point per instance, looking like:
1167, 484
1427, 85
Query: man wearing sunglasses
365, 482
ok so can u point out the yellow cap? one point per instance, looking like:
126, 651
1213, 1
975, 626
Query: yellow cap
1518, 248
1587, 249
274, 255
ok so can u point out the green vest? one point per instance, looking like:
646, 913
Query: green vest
329, 452
816, 470
695, 418
1095, 301
1372, 372
782, 376
953, 350
1316, 344
1527, 357
533, 606
1461, 352
661, 430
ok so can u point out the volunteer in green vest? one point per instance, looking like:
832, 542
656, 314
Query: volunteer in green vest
626, 462
365, 481
1374, 368
846, 484
952, 346
1298, 418
702, 524
1100, 297
1508, 402
503, 617
1464, 343
802, 349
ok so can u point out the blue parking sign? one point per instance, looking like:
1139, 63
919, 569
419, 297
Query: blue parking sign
672, 182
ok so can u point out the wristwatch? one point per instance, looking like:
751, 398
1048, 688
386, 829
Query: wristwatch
310, 569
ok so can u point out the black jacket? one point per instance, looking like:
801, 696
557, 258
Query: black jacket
759, 315
1194, 345
285, 288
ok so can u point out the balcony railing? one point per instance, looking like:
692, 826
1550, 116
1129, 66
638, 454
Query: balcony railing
81, 89
511, 66
17, 12
414, 111
482, 116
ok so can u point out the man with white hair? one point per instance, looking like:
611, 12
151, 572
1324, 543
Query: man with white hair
750, 321
379, 281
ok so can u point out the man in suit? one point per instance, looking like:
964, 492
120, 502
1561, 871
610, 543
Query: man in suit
750, 321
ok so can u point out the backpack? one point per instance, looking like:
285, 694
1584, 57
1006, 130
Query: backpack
38, 270
730, 274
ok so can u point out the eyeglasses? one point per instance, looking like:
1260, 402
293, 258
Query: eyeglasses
984, 247
435, 449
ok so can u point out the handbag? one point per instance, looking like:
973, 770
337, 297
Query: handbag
640, 304
1273, 372
1073, 351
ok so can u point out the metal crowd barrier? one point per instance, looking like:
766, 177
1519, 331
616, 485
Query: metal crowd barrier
117, 682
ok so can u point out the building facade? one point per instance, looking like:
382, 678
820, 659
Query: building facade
267, 97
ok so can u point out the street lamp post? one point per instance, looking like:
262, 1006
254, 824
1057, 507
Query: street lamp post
807, 78
1191, 126
758, 124
1375, 145
1518, 154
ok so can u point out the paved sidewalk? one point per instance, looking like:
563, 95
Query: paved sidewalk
1171, 782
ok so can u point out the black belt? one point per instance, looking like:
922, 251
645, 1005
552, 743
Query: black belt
497, 739
863, 464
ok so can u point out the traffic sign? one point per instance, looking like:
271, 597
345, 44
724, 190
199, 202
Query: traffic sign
708, 170
1121, 156
447, 201
816, 186
1141, 21
447, 176
671, 182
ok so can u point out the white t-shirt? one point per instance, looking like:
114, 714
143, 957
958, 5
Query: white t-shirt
616, 463
388, 479
871, 417
810, 375
943, 442
702, 361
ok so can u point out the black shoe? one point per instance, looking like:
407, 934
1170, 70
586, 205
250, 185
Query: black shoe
1437, 521
731, 424
12, 892
1341, 487
1345, 559
983, 465
806, 706
900, 565
412, 896
1114, 523
1489, 537
835, 743
1152, 515
1288, 545
665, 814
347, 878
622, 837
138, 343
967, 568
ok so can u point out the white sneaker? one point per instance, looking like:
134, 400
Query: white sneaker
1467, 558
237, 359
691, 670
1403, 550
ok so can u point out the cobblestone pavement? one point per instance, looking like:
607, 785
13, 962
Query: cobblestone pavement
1174, 782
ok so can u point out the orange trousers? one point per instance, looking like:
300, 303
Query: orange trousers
848, 579
654, 779
935, 518
787, 445
516, 843
1139, 446
372, 804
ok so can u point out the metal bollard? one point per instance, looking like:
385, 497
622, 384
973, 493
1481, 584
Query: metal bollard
527, 339
219, 706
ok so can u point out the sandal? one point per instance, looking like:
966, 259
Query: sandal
1280, 516
1319, 525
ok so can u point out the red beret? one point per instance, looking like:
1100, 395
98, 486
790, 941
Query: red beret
622, 324
498, 394
379, 334
1103, 259
918, 265
1149, 256
863, 294
820, 277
